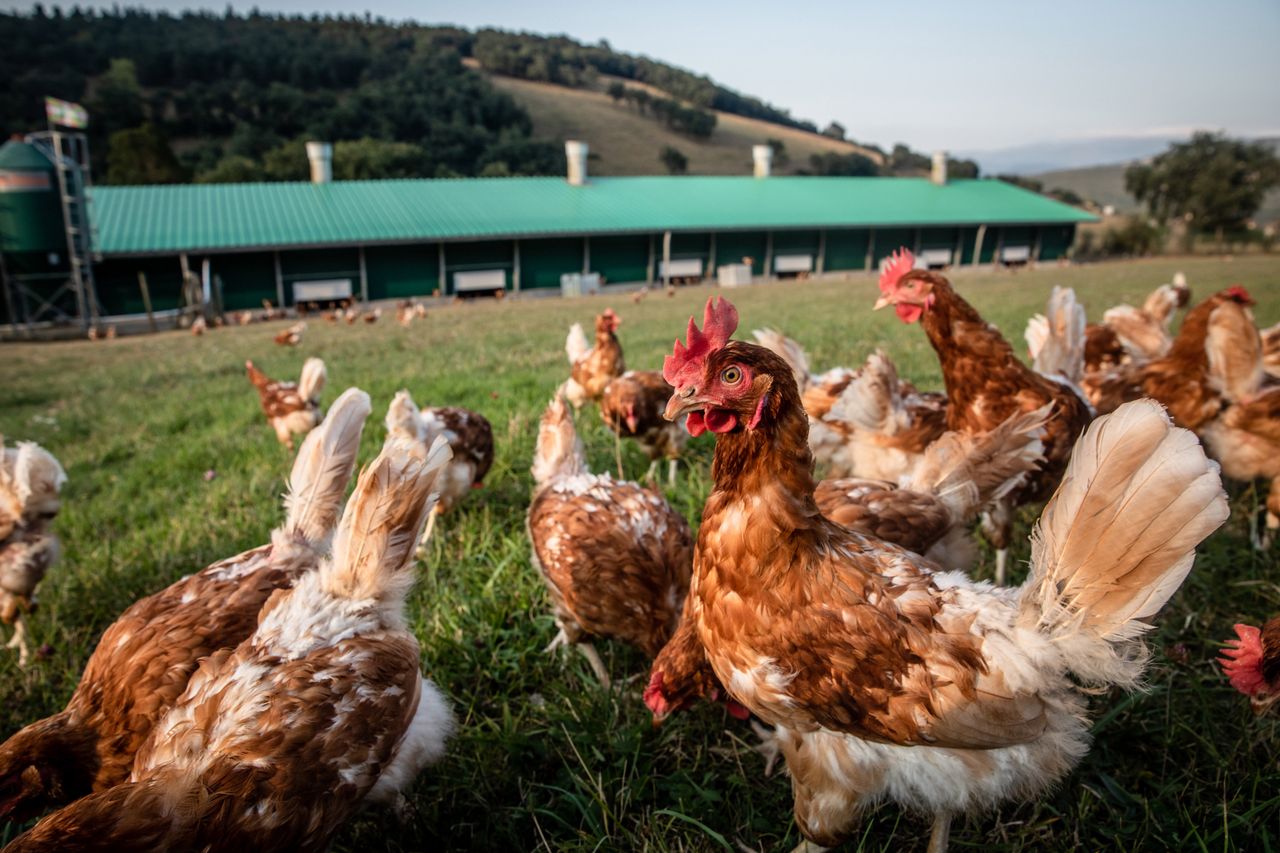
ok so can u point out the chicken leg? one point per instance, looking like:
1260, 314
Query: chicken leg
19, 641
941, 833
587, 650
671, 473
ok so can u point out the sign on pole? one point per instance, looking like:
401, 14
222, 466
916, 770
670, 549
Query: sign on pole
66, 113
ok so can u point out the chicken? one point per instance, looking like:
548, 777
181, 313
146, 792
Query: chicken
956, 477
373, 316
274, 743
632, 405
291, 408
985, 382
470, 439
244, 318
883, 424
1245, 435
1180, 379
199, 326
270, 312
591, 368
1252, 663
31, 482
291, 336
615, 556
145, 658
884, 677
1271, 350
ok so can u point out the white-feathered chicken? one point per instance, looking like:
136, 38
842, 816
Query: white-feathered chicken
274, 744
31, 483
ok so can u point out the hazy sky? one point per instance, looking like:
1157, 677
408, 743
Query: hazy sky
956, 75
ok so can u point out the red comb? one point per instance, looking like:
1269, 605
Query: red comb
899, 264
719, 321
1242, 660
1237, 293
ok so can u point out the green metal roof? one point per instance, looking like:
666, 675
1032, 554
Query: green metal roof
20, 156
226, 217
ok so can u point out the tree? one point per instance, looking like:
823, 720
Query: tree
118, 102
849, 165
142, 155
675, 162
372, 159
781, 159
617, 91
232, 169
1211, 182
835, 130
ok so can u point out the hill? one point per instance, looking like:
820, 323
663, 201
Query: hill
624, 142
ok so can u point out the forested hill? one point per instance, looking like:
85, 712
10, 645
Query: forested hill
229, 98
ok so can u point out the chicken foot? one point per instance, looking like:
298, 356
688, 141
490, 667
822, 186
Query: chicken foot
19, 641
941, 833
587, 650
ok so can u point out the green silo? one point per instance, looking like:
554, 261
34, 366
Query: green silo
31, 226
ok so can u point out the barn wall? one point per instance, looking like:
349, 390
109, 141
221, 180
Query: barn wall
733, 246
621, 259
480, 255
398, 272
247, 279
847, 249
542, 262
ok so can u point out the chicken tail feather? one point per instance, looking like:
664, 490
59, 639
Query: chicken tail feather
322, 470
311, 382
787, 350
402, 416
383, 521
576, 345
1118, 538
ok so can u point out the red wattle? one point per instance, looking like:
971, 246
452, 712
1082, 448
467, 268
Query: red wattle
738, 712
720, 421
908, 313
695, 424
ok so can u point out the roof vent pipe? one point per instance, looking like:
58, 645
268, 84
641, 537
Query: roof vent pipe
762, 157
320, 154
575, 153
939, 174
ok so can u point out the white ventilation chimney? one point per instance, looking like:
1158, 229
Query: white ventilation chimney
939, 175
321, 156
762, 157
575, 152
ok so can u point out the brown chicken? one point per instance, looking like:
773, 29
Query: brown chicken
291, 407
1180, 379
985, 381
31, 482
1271, 350
291, 336
631, 407
470, 439
884, 678
614, 556
928, 514
592, 368
1252, 663
276, 742
145, 658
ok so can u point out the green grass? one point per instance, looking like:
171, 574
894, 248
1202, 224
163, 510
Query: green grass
545, 759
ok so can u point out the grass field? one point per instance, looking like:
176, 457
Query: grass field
546, 759
623, 142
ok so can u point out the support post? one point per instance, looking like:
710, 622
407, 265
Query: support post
444, 281
916, 249
820, 265
666, 258
146, 299
977, 244
871, 250
768, 254
648, 276
364, 278
995, 258
1035, 247
279, 281
958, 253
515, 266
586, 255
711, 258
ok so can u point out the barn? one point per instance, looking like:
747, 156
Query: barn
394, 239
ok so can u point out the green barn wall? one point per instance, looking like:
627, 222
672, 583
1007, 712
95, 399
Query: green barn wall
398, 272
889, 240
246, 279
479, 255
733, 246
847, 249
796, 243
1055, 241
621, 259
542, 262
118, 290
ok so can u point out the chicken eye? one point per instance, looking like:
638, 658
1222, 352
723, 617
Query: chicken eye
731, 375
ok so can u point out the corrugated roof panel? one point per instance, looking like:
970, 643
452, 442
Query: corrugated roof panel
205, 217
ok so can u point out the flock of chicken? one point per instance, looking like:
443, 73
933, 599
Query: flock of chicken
272, 693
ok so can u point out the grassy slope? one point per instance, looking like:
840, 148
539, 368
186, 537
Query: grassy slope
546, 759
623, 142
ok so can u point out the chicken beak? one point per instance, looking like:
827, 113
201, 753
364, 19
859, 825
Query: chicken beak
882, 302
682, 402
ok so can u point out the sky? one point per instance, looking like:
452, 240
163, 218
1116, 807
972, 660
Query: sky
962, 76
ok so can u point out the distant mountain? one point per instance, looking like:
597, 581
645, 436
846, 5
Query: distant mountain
1039, 157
